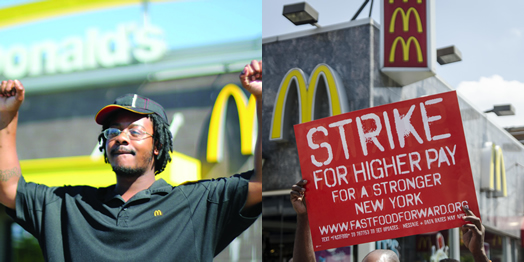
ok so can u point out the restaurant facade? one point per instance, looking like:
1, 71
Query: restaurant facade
336, 69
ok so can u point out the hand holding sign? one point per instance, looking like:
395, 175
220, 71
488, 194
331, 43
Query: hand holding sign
303, 247
473, 235
386, 172
297, 196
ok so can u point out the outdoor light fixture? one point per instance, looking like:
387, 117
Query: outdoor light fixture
300, 14
448, 55
502, 110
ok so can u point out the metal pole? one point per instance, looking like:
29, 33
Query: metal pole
281, 209
360, 10
370, 8
454, 243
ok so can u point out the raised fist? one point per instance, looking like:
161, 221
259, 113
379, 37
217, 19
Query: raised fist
297, 196
251, 78
12, 95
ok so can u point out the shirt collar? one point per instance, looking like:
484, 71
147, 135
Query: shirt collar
160, 186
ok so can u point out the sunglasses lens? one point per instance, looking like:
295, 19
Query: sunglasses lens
111, 133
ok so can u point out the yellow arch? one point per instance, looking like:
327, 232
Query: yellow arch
246, 115
405, 19
334, 98
306, 97
500, 172
31, 12
405, 49
424, 242
278, 112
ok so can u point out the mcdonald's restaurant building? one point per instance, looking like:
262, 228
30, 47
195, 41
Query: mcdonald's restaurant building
212, 119
335, 69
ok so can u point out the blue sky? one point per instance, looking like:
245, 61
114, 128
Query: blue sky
185, 23
8, 3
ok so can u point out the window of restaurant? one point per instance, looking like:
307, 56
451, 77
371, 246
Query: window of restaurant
498, 248
493, 245
336, 254
429, 247
278, 228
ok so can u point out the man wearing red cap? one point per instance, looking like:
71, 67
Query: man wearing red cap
140, 218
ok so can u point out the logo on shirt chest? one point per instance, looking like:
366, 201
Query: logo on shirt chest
158, 212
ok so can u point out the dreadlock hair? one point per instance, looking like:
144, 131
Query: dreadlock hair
162, 139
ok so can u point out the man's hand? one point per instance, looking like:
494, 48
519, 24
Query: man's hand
12, 95
303, 247
473, 235
297, 196
251, 78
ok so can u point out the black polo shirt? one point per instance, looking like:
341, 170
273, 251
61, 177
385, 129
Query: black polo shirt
191, 222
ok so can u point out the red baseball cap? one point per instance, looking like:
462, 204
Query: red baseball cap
133, 103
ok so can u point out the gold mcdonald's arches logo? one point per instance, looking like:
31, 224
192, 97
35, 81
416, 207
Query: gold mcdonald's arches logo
405, 49
405, 19
493, 171
323, 76
424, 242
158, 212
405, 1
247, 118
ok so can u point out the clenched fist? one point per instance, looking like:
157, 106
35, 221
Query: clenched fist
251, 78
12, 95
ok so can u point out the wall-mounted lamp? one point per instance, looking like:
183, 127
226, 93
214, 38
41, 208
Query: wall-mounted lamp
448, 55
300, 14
502, 110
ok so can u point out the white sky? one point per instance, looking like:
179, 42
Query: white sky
489, 34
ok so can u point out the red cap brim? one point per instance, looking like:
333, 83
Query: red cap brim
106, 111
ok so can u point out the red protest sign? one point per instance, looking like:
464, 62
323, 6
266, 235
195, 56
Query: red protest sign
386, 172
